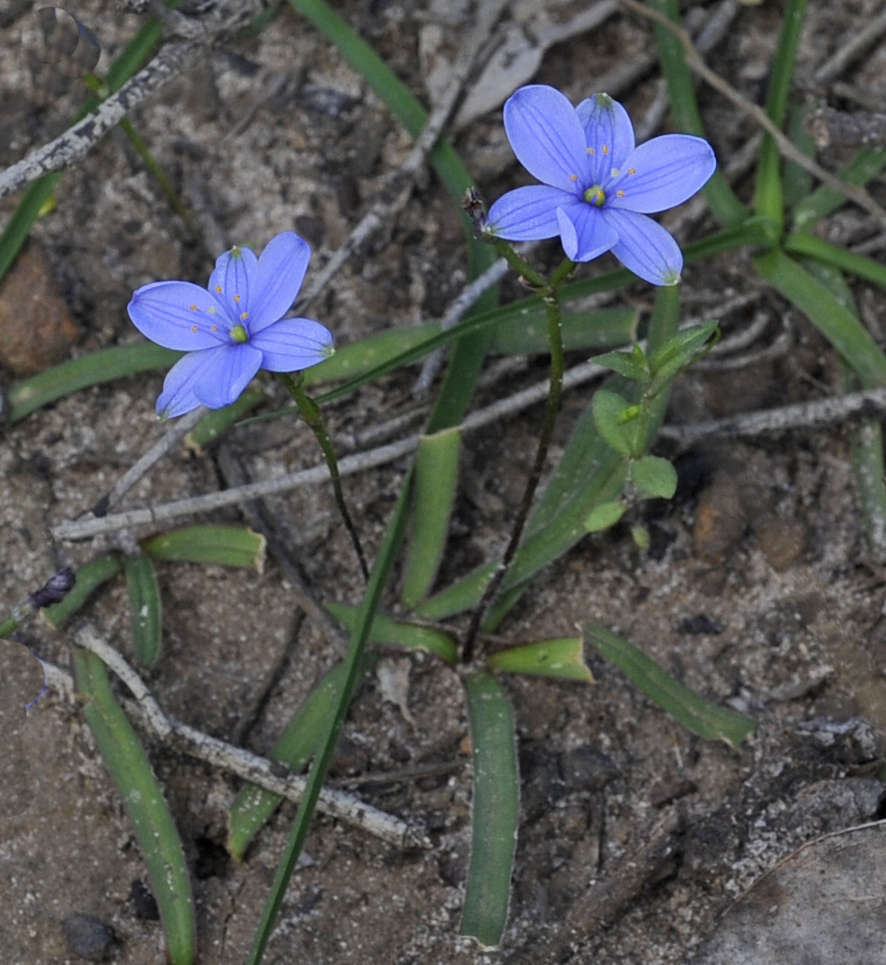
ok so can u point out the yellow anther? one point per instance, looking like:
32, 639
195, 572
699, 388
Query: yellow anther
590, 150
605, 149
619, 194
218, 288
213, 328
194, 329
244, 316
632, 170
573, 177
192, 308
236, 298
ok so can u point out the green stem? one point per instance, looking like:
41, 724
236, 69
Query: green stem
551, 295
520, 264
310, 412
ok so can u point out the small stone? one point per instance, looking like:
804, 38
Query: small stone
782, 541
36, 328
88, 936
719, 519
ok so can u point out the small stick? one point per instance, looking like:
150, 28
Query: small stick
76, 142
235, 760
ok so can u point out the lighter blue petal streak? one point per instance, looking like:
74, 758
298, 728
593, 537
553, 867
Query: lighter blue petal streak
293, 344
669, 169
162, 311
234, 275
585, 234
177, 396
281, 270
232, 369
645, 247
545, 134
606, 125
528, 213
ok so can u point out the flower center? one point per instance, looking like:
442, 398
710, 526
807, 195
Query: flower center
239, 334
595, 195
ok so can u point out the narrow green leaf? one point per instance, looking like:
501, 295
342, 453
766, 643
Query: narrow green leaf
654, 477
210, 544
839, 326
562, 658
388, 632
461, 596
678, 352
154, 827
725, 206
865, 166
94, 369
604, 515
89, 578
813, 247
796, 181
768, 191
145, 608
696, 714
354, 663
495, 810
254, 805
436, 476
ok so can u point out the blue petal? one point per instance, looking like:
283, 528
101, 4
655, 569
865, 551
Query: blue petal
645, 247
667, 170
545, 134
179, 315
281, 270
232, 369
233, 281
609, 135
585, 234
527, 214
177, 396
293, 344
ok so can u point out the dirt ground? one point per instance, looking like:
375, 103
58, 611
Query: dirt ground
758, 591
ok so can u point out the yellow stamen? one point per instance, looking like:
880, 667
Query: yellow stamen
213, 328
619, 194
218, 288
192, 308
590, 150
632, 170
236, 298
194, 329
605, 149
573, 177
244, 316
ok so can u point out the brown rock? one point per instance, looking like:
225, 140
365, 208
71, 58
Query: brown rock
36, 328
781, 540
719, 519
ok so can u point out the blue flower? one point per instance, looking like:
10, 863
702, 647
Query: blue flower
597, 187
233, 328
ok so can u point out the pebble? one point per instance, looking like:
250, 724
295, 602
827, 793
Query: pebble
88, 936
36, 328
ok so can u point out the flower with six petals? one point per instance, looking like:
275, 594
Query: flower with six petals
234, 327
597, 186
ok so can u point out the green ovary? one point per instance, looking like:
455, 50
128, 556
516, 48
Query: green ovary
595, 195
239, 334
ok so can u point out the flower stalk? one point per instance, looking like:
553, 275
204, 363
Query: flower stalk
550, 292
310, 412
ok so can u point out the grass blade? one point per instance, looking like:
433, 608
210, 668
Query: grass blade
811, 246
254, 805
494, 810
768, 190
866, 164
561, 658
388, 632
725, 206
436, 474
838, 325
696, 714
145, 607
354, 663
93, 369
128, 765
210, 544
